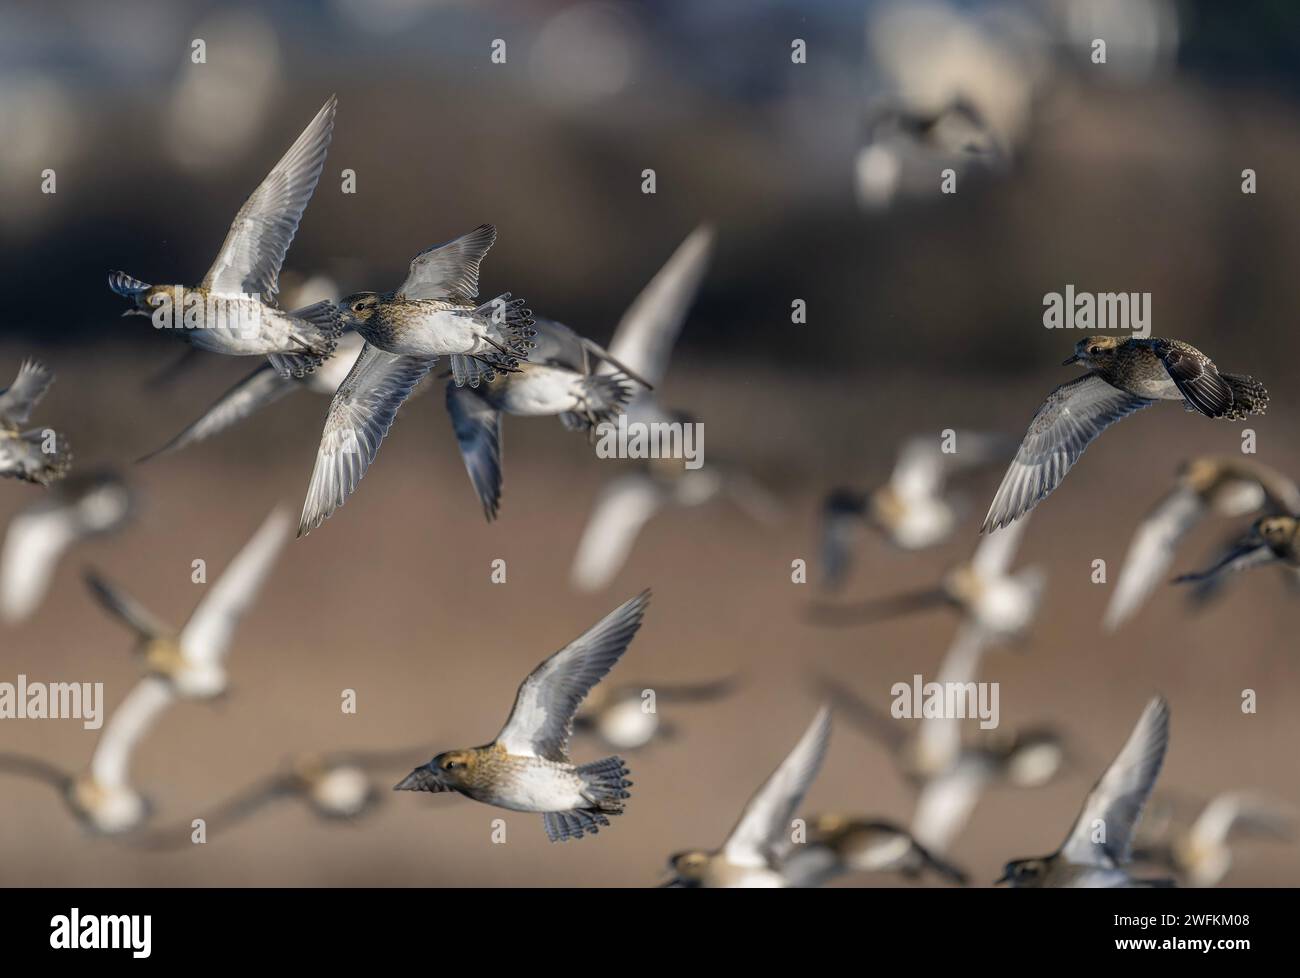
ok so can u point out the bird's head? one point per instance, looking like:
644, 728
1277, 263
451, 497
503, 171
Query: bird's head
1200, 473
1023, 872
149, 300
1277, 531
1094, 351
828, 823
455, 768
689, 865
359, 307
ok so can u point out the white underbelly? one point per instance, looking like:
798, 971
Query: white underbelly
540, 788
540, 391
437, 334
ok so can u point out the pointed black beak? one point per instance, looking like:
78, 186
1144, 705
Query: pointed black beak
1004, 878
1073, 359
422, 778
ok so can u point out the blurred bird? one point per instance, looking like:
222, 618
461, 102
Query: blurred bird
841, 844
1272, 540
628, 502
558, 378
1124, 376
948, 773
995, 604
37, 455
644, 338
642, 347
337, 786
905, 148
527, 767
261, 388
573, 377
913, 509
751, 855
433, 313
236, 315
103, 799
192, 661
1201, 853
1221, 486
78, 508
625, 718
1100, 844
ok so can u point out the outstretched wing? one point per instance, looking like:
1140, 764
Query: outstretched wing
262, 387
542, 719
359, 417
478, 433
1247, 553
449, 271
250, 258
622, 509
1103, 833
17, 401
125, 608
767, 815
1152, 551
206, 636
644, 337
127, 724
1066, 424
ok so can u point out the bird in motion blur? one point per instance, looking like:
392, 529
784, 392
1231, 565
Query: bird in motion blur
914, 509
994, 603
262, 388
838, 844
80, 507
264, 385
180, 666
338, 786
102, 799
433, 313
1200, 853
1124, 376
1273, 540
905, 146
232, 310
627, 502
626, 717
526, 768
576, 379
949, 772
1100, 844
191, 661
1207, 485
559, 378
751, 855
37, 455
642, 345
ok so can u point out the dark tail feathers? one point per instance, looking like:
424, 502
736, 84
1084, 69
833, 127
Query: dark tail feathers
1249, 396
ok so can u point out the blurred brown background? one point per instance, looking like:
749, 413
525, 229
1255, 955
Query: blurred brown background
922, 315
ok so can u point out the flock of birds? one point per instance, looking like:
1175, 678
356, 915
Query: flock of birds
371, 351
